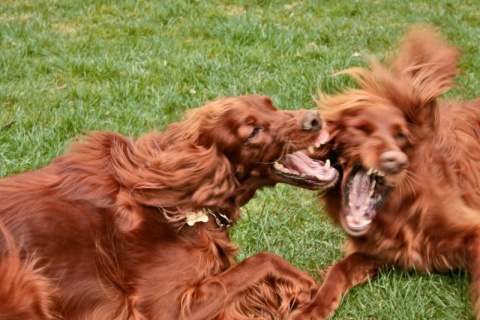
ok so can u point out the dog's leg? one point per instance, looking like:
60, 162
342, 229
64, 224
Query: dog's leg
474, 270
216, 293
354, 269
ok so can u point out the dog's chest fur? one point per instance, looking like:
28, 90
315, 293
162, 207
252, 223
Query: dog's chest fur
417, 241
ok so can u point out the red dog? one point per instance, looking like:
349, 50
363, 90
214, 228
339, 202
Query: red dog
137, 229
410, 189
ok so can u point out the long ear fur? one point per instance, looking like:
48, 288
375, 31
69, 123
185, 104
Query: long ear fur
158, 170
181, 175
423, 69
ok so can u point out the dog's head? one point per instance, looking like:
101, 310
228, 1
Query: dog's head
226, 150
260, 143
375, 129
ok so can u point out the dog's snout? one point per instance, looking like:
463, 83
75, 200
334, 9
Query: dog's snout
312, 121
392, 162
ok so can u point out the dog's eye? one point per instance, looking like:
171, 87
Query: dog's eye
401, 136
365, 129
255, 131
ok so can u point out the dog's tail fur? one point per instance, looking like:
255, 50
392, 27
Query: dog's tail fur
24, 292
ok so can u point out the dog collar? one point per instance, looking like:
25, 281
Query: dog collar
201, 216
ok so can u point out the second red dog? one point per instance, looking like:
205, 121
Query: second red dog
409, 195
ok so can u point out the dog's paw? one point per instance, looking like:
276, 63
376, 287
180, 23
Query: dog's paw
322, 306
312, 311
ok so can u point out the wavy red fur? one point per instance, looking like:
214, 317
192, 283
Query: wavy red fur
425, 159
105, 225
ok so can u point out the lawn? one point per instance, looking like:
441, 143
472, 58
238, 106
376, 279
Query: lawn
67, 67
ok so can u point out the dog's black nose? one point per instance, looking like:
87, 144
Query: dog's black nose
312, 121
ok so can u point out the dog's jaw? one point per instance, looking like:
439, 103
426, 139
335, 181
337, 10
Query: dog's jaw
364, 194
299, 169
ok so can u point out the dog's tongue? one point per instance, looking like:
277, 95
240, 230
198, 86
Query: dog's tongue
359, 200
359, 190
300, 162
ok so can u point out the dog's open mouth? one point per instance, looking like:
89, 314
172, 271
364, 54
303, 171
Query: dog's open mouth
364, 194
301, 170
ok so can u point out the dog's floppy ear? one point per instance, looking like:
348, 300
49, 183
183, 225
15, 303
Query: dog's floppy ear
183, 175
423, 69
218, 185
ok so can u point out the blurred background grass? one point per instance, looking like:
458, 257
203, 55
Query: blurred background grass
67, 67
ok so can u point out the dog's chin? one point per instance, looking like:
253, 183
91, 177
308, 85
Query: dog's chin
354, 231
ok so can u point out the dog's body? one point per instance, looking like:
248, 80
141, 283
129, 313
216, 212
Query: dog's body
410, 190
136, 229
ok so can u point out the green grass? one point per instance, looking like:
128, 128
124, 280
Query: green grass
67, 67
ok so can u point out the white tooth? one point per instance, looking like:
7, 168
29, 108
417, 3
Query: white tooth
280, 167
327, 164
303, 175
380, 173
319, 177
348, 219
370, 171
372, 189
311, 150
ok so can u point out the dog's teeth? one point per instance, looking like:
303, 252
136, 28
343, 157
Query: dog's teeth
280, 167
303, 175
318, 144
351, 221
327, 164
311, 150
319, 177
370, 171
372, 189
